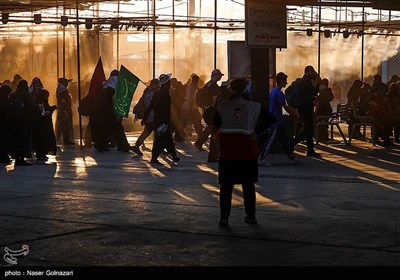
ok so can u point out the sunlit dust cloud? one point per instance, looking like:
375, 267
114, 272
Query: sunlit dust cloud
340, 57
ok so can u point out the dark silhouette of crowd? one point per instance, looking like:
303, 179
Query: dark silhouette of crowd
381, 102
26, 122
176, 110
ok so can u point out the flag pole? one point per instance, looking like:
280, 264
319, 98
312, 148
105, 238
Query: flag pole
142, 82
79, 71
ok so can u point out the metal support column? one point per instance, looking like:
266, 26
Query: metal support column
154, 38
319, 39
362, 43
118, 13
215, 33
78, 57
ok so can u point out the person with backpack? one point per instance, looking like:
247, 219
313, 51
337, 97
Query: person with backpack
207, 94
277, 131
190, 111
161, 104
309, 88
143, 103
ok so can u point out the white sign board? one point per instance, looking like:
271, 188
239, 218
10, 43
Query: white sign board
265, 25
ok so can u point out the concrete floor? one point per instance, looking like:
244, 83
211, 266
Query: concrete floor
114, 209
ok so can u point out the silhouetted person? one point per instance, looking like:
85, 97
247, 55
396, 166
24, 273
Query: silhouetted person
161, 104
277, 130
209, 93
64, 115
20, 127
237, 117
44, 139
105, 123
309, 87
381, 88
15, 81
148, 95
190, 111
4, 124
36, 86
354, 92
177, 92
324, 98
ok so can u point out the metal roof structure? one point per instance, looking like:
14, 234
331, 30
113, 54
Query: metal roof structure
16, 11
17, 6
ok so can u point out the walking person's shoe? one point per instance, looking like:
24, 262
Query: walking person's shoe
22, 162
263, 162
198, 146
250, 219
294, 160
176, 159
313, 154
42, 158
155, 162
136, 150
223, 221
97, 150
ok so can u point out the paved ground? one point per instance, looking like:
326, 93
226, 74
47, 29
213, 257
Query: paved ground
114, 209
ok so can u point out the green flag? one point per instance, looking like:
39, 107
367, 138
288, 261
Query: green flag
126, 86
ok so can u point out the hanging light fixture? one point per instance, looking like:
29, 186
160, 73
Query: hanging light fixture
88, 23
309, 31
4, 18
327, 33
346, 34
37, 18
64, 20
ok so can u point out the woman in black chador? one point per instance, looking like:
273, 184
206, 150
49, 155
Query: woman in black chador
20, 127
4, 133
44, 139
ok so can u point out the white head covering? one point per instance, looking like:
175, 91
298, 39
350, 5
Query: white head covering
165, 78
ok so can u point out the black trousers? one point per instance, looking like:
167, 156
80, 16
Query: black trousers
148, 129
306, 117
162, 142
3, 142
249, 197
